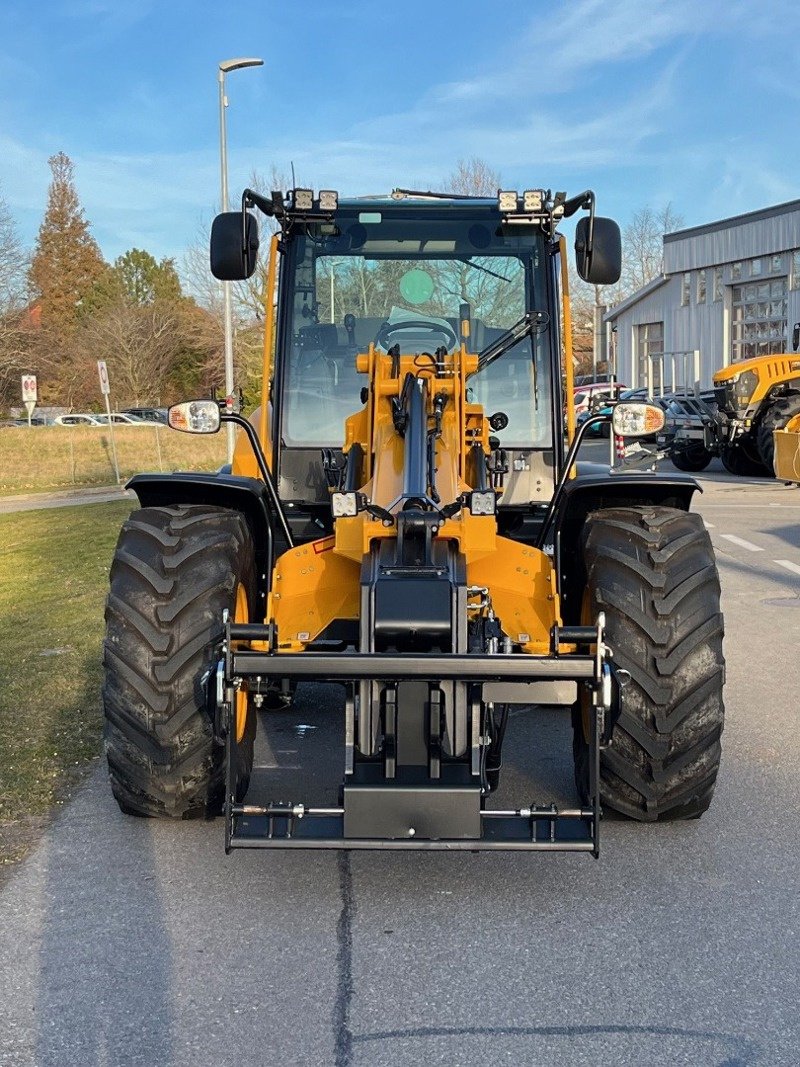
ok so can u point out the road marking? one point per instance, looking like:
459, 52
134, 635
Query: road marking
787, 563
740, 541
709, 525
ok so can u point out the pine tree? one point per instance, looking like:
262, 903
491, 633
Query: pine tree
67, 261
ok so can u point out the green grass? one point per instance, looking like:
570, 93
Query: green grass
48, 458
53, 580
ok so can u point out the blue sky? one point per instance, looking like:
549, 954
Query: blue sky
645, 102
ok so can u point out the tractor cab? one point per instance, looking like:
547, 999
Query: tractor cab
420, 274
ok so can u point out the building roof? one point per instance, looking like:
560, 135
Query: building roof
634, 298
735, 220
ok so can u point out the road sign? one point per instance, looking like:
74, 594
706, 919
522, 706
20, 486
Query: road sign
102, 370
29, 391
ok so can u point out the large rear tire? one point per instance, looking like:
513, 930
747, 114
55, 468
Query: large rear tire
741, 459
174, 572
775, 418
652, 571
693, 456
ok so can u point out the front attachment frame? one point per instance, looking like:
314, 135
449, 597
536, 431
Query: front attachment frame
408, 808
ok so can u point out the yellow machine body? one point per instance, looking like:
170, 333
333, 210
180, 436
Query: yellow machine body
316, 583
767, 371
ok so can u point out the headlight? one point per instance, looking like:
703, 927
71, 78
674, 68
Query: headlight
744, 385
636, 420
195, 416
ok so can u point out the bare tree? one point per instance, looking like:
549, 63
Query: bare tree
473, 177
13, 331
643, 245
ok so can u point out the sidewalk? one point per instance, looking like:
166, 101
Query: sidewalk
64, 498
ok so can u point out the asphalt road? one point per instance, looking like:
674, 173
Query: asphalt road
127, 942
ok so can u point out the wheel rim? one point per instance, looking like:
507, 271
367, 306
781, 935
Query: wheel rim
241, 613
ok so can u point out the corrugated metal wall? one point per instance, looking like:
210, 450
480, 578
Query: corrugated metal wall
706, 326
723, 244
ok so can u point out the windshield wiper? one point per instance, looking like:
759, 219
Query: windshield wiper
479, 266
530, 321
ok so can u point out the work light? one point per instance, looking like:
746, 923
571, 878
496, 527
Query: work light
508, 200
328, 200
344, 505
303, 199
532, 200
482, 502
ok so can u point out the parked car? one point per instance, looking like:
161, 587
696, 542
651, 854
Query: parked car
147, 414
36, 420
76, 419
118, 418
587, 395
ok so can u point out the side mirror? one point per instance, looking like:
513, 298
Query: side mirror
602, 265
233, 248
637, 420
195, 416
796, 337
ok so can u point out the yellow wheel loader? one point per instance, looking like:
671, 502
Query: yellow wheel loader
405, 518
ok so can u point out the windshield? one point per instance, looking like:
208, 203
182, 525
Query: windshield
411, 283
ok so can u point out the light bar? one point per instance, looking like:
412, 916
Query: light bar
507, 200
303, 199
328, 200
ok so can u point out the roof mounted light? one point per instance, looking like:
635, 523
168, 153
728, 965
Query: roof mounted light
507, 200
303, 199
533, 199
328, 200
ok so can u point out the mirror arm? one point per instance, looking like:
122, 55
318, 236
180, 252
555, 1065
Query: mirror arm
562, 481
266, 473
584, 201
250, 198
580, 202
269, 205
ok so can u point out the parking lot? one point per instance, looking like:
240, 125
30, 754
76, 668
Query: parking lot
132, 942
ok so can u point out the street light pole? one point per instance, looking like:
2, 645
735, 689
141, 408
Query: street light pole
225, 67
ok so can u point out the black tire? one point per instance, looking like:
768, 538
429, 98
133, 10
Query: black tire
775, 418
740, 459
693, 457
174, 571
652, 571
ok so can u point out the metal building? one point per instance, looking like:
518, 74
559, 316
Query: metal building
730, 289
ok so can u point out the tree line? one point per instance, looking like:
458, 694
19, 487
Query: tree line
63, 306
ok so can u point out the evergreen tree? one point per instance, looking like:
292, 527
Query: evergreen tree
144, 280
66, 261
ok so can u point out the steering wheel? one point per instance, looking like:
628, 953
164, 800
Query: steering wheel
440, 328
